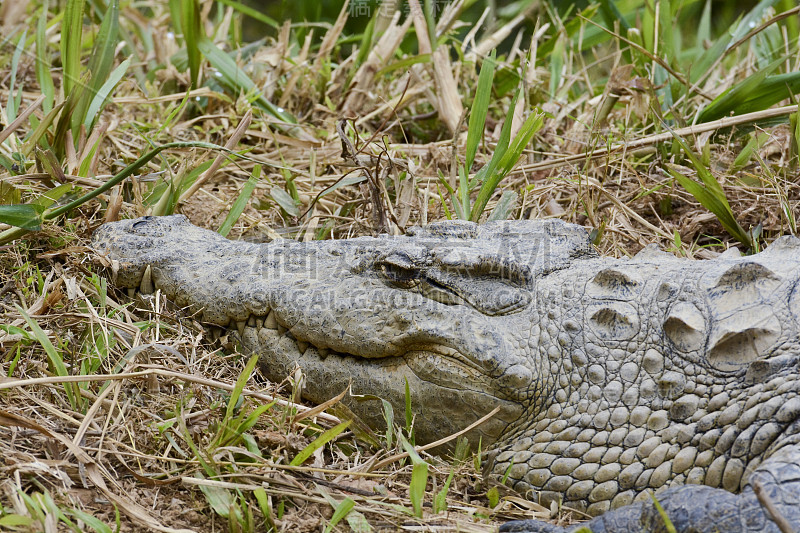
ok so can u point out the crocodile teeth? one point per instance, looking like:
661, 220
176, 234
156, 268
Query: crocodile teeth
146, 287
240, 324
731, 253
216, 332
281, 330
251, 321
131, 292
323, 352
259, 322
271, 322
302, 346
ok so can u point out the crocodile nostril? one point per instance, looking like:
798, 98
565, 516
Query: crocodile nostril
143, 221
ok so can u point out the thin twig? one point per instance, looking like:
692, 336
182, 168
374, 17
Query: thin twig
650, 140
772, 511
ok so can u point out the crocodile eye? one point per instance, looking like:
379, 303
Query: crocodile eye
400, 269
400, 275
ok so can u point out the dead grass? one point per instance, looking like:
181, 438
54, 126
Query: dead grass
135, 445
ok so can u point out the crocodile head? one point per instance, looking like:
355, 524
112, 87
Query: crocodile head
612, 377
444, 309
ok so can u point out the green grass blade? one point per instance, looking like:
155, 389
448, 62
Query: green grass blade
85, 166
16, 521
504, 207
611, 15
15, 97
192, 35
532, 124
14, 233
419, 476
666, 48
103, 95
285, 200
43, 74
55, 511
388, 417
409, 448
704, 27
56, 362
250, 12
241, 202
128, 171
646, 36
27, 216
556, 67
667, 522
319, 442
266, 509
63, 125
91, 521
174, 113
235, 428
505, 133
756, 142
403, 64
409, 412
463, 191
757, 92
493, 495
365, 46
236, 80
100, 65
429, 11
41, 130
702, 68
751, 19
716, 204
220, 499
416, 489
340, 511
480, 106
440, 500
794, 122
699, 68
50, 197
489, 169
358, 522
71, 32
241, 381
245, 423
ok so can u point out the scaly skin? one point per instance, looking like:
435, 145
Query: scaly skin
614, 378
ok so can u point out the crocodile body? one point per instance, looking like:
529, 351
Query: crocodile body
614, 378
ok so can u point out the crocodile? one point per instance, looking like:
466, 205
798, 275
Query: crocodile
611, 381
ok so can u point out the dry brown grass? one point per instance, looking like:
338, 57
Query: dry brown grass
150, 384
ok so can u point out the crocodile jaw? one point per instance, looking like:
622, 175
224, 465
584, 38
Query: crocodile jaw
457, 362
439, 409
